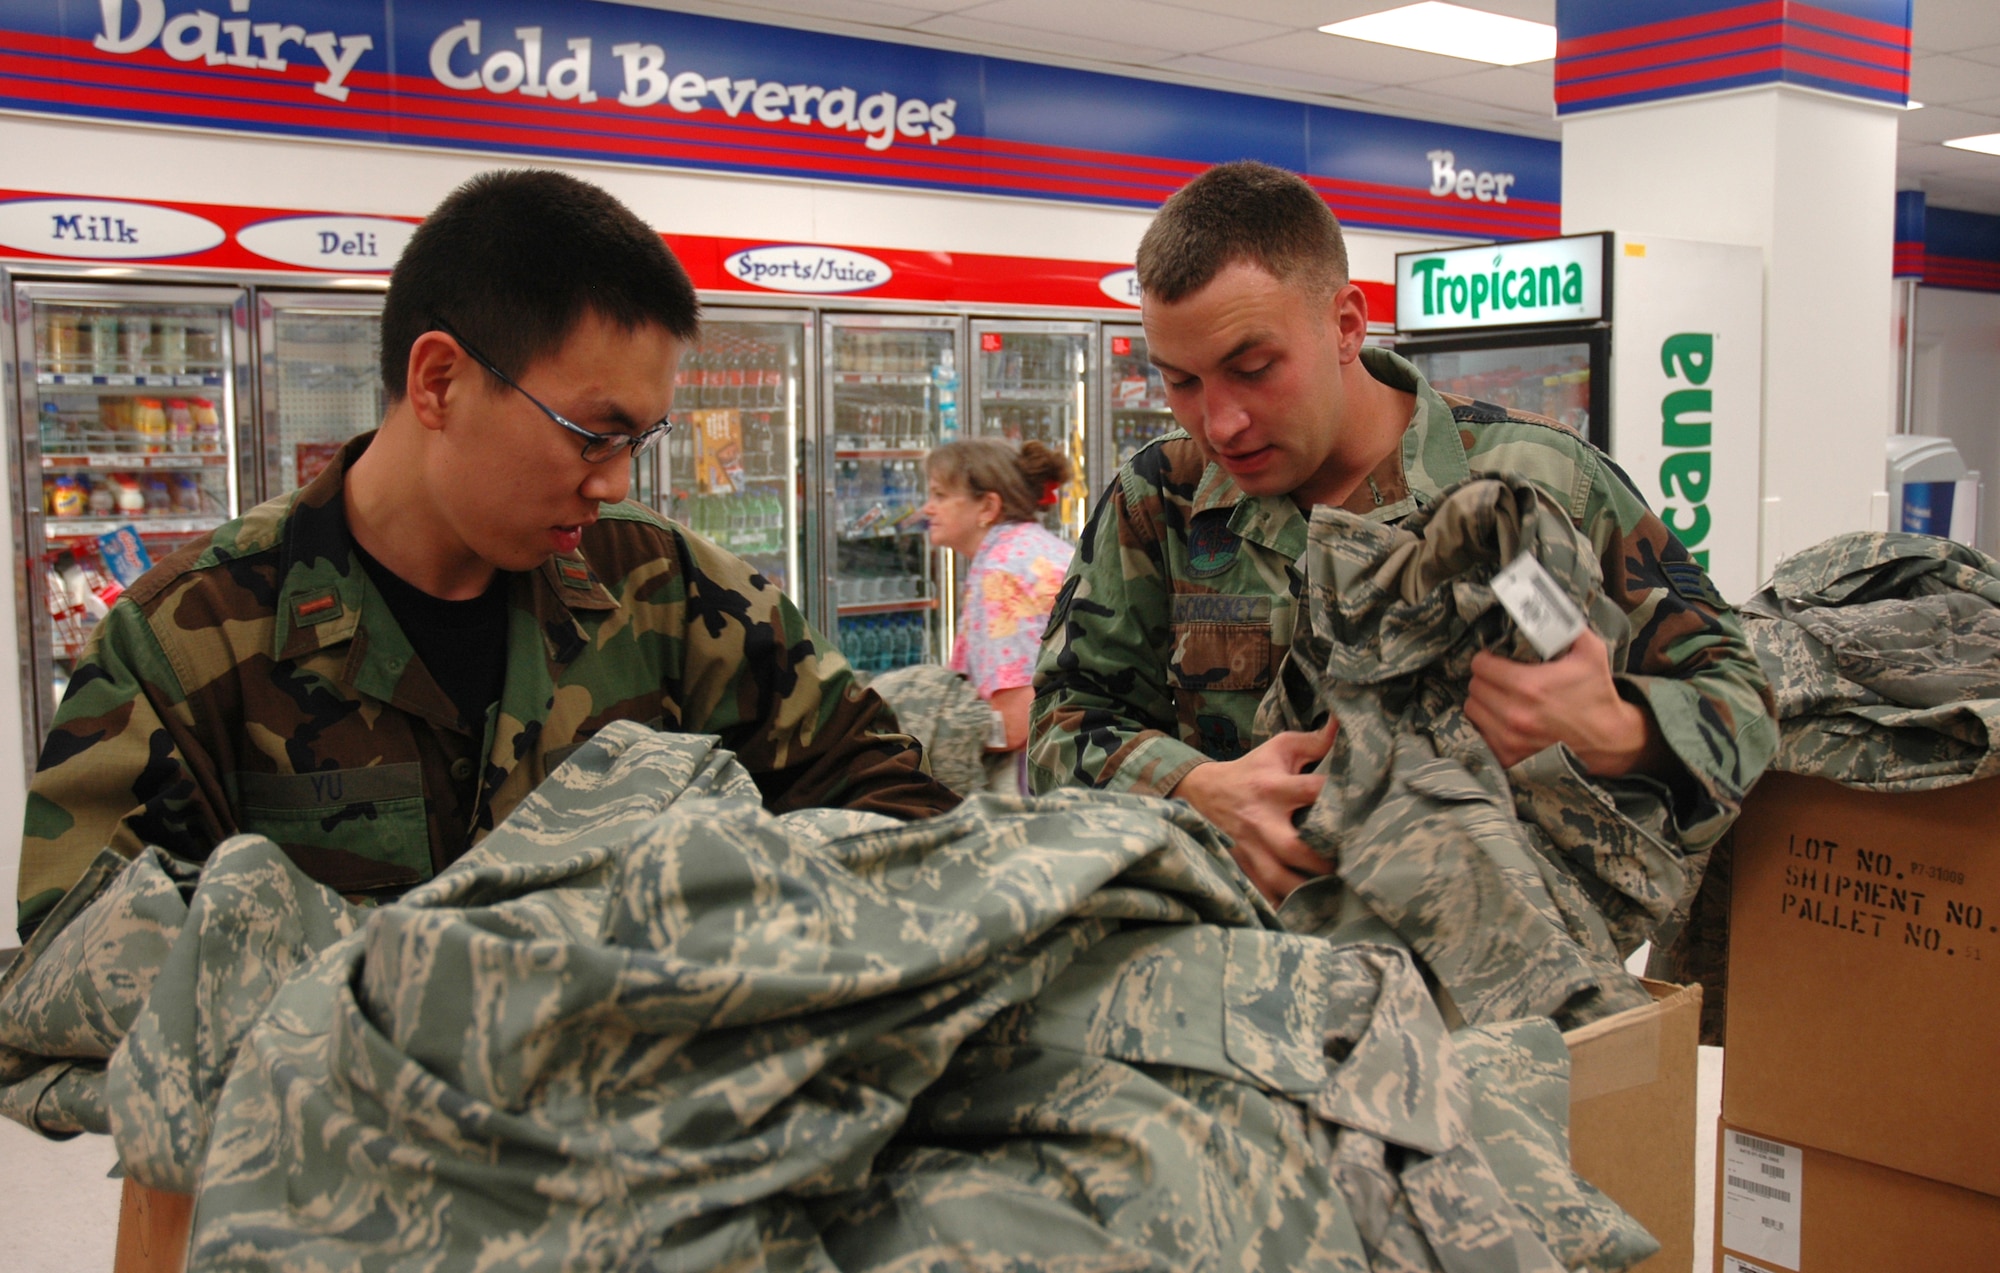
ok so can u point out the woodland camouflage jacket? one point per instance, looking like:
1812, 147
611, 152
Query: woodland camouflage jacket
255, 682
1182, 598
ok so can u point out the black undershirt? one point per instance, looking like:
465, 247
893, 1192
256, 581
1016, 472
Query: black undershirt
462, 644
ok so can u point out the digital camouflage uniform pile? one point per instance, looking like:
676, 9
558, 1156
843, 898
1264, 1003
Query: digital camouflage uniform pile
1522, 890
645, 1024
940, 709
256, 682
1883, 651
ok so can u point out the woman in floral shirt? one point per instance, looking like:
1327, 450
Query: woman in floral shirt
984, 498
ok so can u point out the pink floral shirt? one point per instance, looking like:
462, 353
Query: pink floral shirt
1005, 603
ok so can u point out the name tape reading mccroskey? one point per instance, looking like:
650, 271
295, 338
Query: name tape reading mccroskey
1538, 606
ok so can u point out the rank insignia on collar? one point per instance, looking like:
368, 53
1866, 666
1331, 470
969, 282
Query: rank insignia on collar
316, 609
574, 573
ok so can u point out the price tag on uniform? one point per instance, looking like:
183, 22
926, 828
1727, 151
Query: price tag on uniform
1538, 606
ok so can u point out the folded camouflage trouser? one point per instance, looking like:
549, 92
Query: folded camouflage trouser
1883, 651
940, 709
630, 1031
1521, 890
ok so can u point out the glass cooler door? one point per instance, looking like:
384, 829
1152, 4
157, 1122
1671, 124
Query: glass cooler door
731, 469
1135, 396
1559, 374
1031, 381
322, 379
892, 392
131, 408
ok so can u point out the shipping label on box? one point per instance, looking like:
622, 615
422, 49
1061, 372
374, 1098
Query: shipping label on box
1761, 1183
1864, 970
1843, 1215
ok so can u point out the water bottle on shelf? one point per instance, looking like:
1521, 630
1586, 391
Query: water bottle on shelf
944, 380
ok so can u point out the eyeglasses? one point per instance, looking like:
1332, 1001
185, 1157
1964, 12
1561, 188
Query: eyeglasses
597, 447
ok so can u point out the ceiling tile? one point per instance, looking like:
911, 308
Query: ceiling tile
1944, 161
1012, 41
1942, 123
1938, 80
1947, 26
1138, 22
1352, 59
1530, 92
1988, 56
1249, 78
1965, 196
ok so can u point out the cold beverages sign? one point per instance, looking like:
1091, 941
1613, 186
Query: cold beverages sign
1502, 285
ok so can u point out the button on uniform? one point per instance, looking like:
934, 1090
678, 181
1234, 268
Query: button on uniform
461, 769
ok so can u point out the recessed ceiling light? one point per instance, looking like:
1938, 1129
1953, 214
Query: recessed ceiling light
1985, 143
1454, 31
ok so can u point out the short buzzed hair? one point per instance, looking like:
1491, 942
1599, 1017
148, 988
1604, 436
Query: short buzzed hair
1242, 211
514, 260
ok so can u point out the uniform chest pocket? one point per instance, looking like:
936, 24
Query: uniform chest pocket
353, 830
1220, 656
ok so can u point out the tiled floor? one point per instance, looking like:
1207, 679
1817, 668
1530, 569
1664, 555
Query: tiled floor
59, 1212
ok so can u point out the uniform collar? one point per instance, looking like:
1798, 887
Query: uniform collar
325, 601
1430, 459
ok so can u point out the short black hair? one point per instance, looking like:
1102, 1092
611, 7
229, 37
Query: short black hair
514, 259
1242, 211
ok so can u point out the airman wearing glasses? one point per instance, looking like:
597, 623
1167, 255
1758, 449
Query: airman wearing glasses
373, 670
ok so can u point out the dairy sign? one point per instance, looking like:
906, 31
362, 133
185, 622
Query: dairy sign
640, 84
1503, 284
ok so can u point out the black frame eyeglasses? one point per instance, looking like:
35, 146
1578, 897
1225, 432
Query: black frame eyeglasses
597, 447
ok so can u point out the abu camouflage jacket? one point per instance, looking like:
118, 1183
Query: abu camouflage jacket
1522, 890
1182, 597
1884, 653
645, 1025
255, 681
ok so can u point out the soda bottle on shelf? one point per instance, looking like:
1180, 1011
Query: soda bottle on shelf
944, 380
104, 343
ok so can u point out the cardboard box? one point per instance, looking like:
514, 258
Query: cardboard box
1864, 975
1816, 1212
1631, 1110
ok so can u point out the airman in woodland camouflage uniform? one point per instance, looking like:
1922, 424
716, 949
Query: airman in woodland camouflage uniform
1182, 597
266, 679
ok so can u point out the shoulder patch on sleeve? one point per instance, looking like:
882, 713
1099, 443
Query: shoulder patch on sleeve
1691, 583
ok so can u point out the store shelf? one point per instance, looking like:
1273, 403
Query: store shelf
91, 527
148, 380
129, 463
896, 453
881, 377
1119, 408
1055, 395
887, 607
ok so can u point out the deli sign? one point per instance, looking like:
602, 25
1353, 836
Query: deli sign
1504, 284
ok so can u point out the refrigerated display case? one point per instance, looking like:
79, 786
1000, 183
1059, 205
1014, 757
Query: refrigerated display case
1543, 344
1031, 381
322, 380
131, 406
1135, 397
891, 393
1559, 375
732, 469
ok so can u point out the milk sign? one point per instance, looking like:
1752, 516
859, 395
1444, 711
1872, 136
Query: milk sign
104, 229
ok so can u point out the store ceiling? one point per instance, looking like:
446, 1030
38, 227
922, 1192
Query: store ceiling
1274, 47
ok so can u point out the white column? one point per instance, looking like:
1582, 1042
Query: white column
1809, 178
